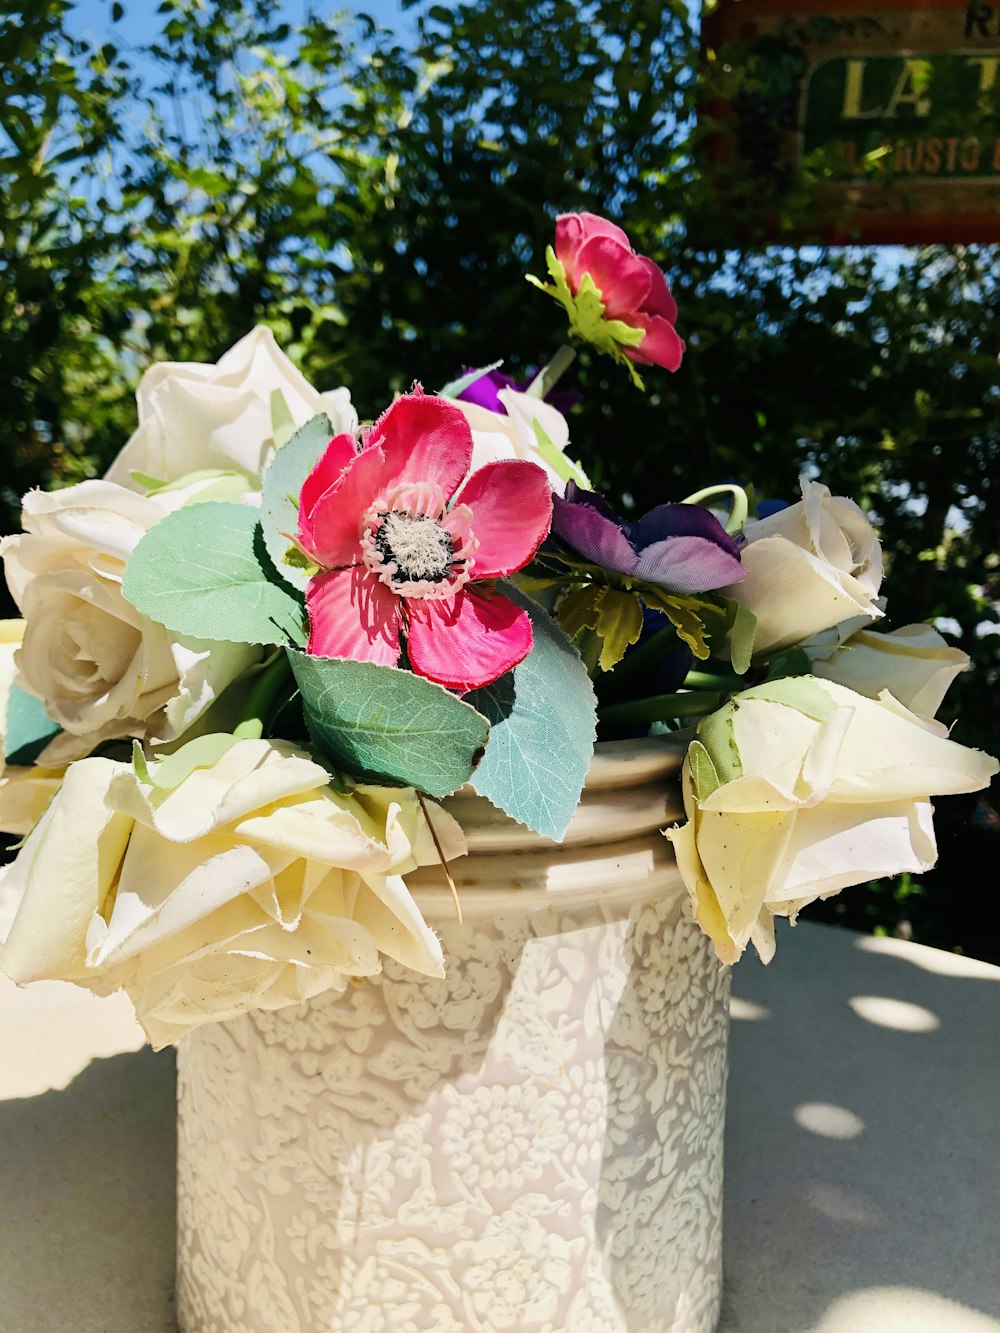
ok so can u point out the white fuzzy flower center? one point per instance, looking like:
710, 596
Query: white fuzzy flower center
418, 547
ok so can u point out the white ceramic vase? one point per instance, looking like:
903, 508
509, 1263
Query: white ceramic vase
533, 1145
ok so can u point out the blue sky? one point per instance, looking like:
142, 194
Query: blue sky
141, 21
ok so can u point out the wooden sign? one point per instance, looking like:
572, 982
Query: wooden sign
892, 107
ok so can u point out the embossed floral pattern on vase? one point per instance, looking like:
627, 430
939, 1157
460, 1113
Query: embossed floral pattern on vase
531, 1146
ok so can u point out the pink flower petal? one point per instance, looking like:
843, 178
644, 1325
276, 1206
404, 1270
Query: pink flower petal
662, 346
423, 438
419, 438
659, 301
511, 507
353, 614
572, 230
341, 451
468, 640
620, 276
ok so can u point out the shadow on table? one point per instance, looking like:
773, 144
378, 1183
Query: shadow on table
87, 1202
862, 1134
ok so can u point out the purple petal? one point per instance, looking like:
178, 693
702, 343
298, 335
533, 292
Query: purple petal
591, 534
681, 520
688, 565
578, 496
485, 390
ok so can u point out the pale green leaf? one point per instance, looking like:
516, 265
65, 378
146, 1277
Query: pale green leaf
543, 724
27, 728
203, 571
388, 725
283, 480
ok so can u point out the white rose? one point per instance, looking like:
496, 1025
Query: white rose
194, 417
799, 788
914, 663
102, 669
251, 884
498, 438
808, 567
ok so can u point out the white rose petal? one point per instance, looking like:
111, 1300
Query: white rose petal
498, 438
251, 885
914, 663
809, 567
194, 417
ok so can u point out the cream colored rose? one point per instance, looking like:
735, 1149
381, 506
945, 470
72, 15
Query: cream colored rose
102, 669
497, 438
799, 788
809, 567
914, 663
251, 884
194, 417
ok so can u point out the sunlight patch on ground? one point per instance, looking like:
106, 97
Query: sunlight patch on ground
897, 1014
828, 1121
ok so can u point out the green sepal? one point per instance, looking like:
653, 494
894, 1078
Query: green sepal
456, 387
704, 775
282, 421
716, 734
803, 693
169, 772
587, 315
562, 466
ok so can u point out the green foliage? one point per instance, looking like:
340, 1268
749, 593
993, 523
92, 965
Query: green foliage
283, 480
203, 571
27, 728
542, 718
388, 725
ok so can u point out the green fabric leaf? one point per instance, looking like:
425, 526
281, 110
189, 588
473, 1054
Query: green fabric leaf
27, 727
203, 571
580, 609
388, 725
741, 641
684, 613
543, 720
456, 387
561, 465
619, 623
204, 751
279, 508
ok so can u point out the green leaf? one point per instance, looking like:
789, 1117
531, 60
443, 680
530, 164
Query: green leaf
684, 613
283, 480
716, 734
543, 724
619, 623
388, 725
455, 387
741, 642
561, 465
27, 728
169, 772
580, 608
203, 571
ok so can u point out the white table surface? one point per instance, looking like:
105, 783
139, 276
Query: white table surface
863, 1150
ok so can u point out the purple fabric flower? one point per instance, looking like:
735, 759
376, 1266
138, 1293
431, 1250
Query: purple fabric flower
485, 392
680, 547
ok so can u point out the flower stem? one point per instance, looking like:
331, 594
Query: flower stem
547, 377
707, 681
740, 505
661, 707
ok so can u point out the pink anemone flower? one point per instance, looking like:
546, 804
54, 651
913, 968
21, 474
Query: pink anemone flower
406, 549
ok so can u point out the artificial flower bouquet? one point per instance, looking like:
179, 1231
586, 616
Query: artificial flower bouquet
257, 655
